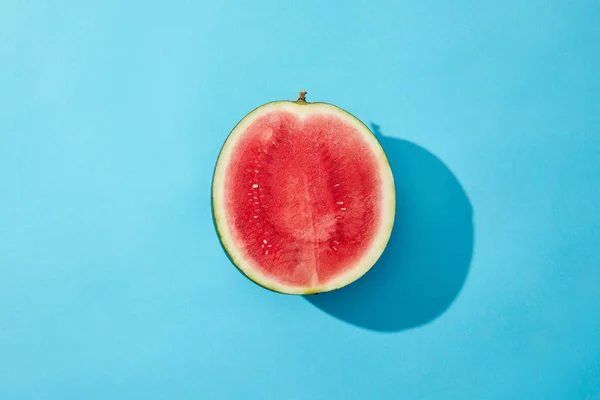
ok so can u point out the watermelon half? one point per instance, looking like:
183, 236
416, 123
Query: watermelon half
303, 197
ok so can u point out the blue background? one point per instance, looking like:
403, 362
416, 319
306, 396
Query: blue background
112, 281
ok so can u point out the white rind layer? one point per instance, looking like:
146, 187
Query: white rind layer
233, 246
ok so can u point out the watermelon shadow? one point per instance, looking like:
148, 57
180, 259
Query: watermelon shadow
427, 259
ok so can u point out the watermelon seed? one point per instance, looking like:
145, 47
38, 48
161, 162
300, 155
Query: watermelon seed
337, 184
343, 208
265, 241
339, 202
254, 186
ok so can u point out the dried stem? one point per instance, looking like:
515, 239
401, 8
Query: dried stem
302, 98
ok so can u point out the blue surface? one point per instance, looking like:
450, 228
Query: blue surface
113, 284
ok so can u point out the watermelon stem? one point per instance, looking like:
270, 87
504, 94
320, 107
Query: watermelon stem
302, 98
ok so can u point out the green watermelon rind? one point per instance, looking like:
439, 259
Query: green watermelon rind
222, 241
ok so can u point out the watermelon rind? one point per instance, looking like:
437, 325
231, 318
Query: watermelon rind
227, 242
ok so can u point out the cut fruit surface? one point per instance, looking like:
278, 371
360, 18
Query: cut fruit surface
303, 197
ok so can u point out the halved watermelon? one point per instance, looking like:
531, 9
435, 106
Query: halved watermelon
303, 197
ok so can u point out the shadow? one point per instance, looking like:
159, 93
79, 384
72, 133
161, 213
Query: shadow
427, 259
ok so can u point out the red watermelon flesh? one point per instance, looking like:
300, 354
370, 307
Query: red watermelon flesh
303, 195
